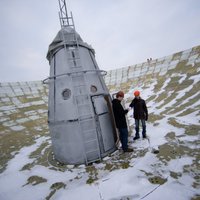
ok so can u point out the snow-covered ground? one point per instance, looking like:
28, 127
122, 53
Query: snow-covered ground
147, 176
164, 166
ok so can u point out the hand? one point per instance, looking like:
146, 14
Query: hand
146, 118
129, 108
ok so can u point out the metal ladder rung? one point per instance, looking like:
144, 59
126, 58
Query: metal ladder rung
88, 131
94, 160
95, 140
77, 73
88, 116
76, 86
77, 67
71, 48
83, 104
81, 95
96, 150
71, 32
66, 17
86, 120
75, 58
74, 51
83, 107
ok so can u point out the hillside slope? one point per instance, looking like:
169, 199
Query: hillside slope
170, 86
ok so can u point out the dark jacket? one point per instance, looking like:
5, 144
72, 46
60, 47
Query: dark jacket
139, 109
119, 114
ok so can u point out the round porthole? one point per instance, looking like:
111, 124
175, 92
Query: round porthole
66, 94
93, 89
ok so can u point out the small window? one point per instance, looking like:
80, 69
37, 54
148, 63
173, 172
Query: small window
66, 94
93, 89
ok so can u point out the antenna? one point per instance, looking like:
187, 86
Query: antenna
65, 20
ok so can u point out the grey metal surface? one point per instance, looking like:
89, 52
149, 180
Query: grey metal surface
80, 119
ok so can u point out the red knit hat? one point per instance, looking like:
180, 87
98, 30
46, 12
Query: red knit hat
120, 94
136, 93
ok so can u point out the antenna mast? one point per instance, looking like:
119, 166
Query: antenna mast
65, 20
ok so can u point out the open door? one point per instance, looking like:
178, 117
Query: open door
105, 119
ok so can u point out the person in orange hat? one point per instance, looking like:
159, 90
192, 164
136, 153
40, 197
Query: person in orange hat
140, 113
120, 120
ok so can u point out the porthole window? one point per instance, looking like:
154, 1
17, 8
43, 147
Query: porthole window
66, 94
93, 88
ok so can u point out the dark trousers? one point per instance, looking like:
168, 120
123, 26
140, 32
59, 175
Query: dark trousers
123, 135
137, 127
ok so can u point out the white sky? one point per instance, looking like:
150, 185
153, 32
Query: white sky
122, 32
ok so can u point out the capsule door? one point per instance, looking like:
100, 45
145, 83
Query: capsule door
104, 120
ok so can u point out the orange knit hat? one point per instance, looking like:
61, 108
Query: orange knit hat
136, 93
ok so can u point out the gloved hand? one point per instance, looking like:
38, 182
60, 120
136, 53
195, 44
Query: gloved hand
146, 118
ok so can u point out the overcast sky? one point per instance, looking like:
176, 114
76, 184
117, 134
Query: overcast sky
122, 32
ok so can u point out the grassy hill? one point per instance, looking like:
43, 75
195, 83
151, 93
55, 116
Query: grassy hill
170, 86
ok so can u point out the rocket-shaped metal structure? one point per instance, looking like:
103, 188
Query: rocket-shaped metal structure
80, 117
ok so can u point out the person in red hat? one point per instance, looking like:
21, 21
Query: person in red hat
140, 113
120, 120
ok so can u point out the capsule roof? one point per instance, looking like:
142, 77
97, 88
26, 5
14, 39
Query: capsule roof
66, 36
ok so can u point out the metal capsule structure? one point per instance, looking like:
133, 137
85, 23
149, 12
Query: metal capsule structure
80, 117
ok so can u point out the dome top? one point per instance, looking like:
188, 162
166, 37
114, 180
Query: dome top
66, 36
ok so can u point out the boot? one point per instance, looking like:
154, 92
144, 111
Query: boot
128, 150
136, 136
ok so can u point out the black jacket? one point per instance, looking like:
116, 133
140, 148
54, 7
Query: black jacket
139, 109
119, 114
